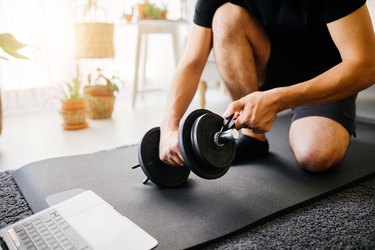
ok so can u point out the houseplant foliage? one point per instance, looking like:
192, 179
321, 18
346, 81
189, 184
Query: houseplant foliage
10, 45
100, 95
73, 106
147, 10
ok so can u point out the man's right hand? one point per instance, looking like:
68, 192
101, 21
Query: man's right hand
169, 151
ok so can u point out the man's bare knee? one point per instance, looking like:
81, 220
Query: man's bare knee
225, 24
318, 143
314, 160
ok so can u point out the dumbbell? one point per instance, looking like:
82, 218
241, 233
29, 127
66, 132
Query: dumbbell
207, 143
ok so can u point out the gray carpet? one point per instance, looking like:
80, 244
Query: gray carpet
345, 220
13, 205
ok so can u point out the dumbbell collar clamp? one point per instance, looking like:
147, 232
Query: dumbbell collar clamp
227, 132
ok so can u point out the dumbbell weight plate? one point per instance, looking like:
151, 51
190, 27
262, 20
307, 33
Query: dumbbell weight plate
195, 164
202, 136
157, 171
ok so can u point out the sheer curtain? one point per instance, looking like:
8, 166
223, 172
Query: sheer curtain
46, 26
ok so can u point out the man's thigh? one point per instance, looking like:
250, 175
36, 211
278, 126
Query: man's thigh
318, 142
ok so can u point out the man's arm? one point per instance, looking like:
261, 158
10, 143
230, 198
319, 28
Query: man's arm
184, 85
354, 38
187, 75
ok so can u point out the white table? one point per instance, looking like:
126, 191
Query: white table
144, 29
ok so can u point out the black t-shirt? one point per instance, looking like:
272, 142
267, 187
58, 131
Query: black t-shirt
301, 46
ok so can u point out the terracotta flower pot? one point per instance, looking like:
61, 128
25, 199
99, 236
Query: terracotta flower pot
98, 91
164, 14
100, 102
142, 7
73, 113
128, 17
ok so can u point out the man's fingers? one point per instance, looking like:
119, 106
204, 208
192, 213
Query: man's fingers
176, 163
234, 107
173, 159
180, 159
171, 162
242, 119
176, 159
236, 115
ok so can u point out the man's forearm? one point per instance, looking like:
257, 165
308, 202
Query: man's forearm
184, 85
343, 80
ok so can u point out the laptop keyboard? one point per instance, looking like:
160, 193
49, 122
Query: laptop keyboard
49, 230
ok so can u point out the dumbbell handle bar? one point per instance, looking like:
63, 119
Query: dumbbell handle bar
220, 138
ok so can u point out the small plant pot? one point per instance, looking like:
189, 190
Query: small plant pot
74, 114
128, 17
100, 102
142, 10
164, 14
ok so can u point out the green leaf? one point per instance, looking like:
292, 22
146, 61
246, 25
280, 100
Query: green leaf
11, 46
71, 90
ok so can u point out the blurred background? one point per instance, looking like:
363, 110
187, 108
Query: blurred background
48, 27
135, 44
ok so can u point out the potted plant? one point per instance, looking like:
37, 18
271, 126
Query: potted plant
128, 15
73, 106
141, 9
100, 96
10, 45
147, 10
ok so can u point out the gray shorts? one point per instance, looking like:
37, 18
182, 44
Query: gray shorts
342, 111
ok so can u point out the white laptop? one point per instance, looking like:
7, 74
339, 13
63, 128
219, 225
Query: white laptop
84, 221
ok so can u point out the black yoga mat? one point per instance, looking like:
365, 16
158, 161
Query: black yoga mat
202, 210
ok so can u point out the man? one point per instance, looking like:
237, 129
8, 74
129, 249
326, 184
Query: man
312, 56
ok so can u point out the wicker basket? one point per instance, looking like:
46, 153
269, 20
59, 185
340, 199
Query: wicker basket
100, 107
94, 40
